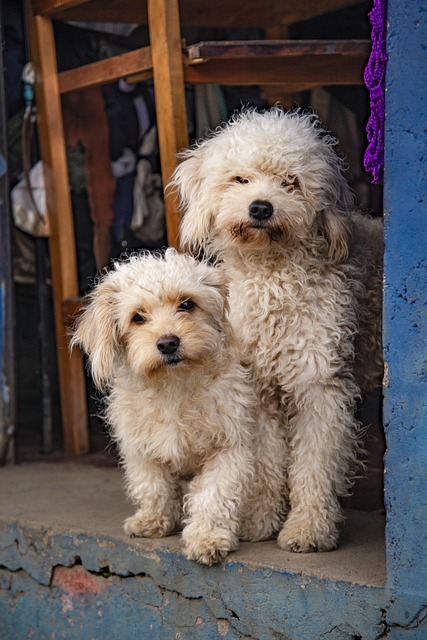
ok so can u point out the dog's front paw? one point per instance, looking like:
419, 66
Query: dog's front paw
142, 526
207, 546
304, 536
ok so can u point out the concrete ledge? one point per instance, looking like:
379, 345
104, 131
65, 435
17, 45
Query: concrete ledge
89, 501
70, 572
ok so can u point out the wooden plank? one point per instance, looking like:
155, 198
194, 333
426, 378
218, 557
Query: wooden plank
297, 63
305, 63
220, 49
301, 64
49, 7
216, 13
61, 241
108, 70
166, 50
310, 72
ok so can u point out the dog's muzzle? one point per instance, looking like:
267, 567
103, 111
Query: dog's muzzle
168, 347
260, 210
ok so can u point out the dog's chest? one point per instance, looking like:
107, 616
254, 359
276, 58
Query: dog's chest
281, 314
178, 434
263, 304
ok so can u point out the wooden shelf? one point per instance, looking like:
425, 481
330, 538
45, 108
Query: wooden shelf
300, 63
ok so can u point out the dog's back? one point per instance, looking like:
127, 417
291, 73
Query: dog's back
366, 255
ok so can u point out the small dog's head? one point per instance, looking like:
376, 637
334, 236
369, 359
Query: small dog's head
156, 316
264, 178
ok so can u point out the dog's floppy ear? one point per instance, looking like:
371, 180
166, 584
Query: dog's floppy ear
334, 220
335, 227
189, 182
219, 281
95, 331
213, 277
327, 178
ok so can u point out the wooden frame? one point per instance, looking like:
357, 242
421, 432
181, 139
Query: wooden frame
295, 65
167, 73
72, 386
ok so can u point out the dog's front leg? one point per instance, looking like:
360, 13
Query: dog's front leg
323, 445
265, 508
158, 496
213, 505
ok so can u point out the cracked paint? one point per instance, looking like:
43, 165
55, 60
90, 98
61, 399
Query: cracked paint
78, 580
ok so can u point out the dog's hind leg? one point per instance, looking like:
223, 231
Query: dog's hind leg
324, 446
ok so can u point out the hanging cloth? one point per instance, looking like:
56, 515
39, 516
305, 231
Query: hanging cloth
374, 77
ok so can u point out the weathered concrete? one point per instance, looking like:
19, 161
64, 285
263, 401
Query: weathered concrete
69, 572
84, 500
405, 322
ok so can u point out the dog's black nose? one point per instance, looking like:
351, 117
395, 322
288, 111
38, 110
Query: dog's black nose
260, 209
168, 344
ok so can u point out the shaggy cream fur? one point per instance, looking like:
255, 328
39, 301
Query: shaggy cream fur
181, 405
266, 195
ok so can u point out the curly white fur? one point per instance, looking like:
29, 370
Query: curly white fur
267, 196
180, 404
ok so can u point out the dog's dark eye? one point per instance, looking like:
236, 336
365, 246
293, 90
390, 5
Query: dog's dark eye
241, 180
138, 318
290, 181
186, 305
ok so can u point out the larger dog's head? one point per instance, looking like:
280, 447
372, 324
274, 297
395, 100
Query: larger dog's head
265, 178
157, 316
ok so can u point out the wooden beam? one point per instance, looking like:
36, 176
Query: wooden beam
313, 73
108, 70
168, 75
194, 13
49, 7
244, 49
284, 62
296, 65
61, 240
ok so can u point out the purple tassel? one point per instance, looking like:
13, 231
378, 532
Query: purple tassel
374, 77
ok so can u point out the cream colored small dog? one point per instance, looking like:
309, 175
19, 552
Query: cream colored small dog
266, 194
180, 404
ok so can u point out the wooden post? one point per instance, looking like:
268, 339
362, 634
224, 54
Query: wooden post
61, 241
166, 51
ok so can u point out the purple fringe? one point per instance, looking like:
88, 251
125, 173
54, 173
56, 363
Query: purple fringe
374, 77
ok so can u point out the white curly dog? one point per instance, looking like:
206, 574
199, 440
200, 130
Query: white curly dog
266, 196
179, 403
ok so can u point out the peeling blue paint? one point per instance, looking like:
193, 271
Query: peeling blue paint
159, 595
405, 195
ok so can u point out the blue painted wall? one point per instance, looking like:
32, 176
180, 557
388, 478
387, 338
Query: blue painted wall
405, 331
